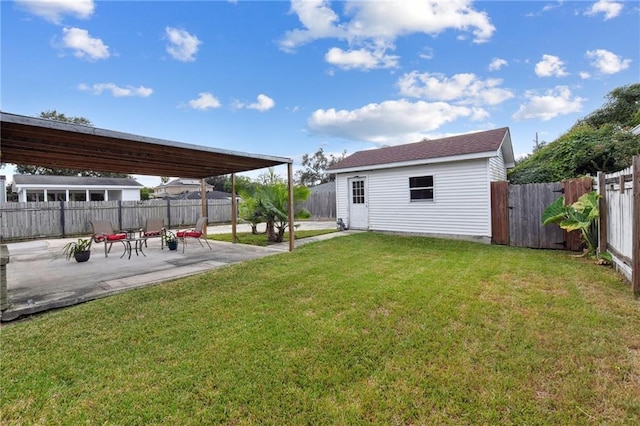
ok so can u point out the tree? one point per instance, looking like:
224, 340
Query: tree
315, 168
26, 169
599, 142
622, 109
269, 203
220, 183
273, 203
57, 116
145, 193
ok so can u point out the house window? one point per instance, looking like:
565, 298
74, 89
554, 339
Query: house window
35, 196
96, 196
357, 191
421, 188
56, 196
77, 196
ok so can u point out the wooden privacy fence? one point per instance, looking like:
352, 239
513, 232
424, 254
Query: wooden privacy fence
322, 205
21, 221
619, 228
516, 212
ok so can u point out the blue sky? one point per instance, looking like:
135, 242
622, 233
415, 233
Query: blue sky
286, 78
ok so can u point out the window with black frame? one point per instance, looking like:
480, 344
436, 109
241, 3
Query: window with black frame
421, 188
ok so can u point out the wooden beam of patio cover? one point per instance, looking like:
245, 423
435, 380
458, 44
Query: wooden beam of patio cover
47, 143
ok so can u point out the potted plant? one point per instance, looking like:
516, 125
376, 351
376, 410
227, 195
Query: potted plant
171, 240
80, 250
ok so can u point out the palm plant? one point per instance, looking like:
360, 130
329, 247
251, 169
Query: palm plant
270, 204
75, 249
249, 210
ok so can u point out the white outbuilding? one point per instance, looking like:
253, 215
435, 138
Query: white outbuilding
438, 187
75, 188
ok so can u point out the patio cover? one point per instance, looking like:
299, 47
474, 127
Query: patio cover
57, 144
50, 143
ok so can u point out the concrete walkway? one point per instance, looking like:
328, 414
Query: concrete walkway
39, 278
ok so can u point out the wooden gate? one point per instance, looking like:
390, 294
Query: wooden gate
516, 212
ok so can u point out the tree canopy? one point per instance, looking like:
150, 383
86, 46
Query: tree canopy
315, 168
27, 169
601, 141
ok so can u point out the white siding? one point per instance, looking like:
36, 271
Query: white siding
461, 204
342, 196
497, 169
130, 194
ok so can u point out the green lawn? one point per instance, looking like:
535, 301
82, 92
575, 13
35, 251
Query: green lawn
362, 329
261, 239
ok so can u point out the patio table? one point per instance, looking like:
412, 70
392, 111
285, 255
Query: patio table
133, 242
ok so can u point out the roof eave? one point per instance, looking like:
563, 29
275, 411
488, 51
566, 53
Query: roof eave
507, 150
420, 162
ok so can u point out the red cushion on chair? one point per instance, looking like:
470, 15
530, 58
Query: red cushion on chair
116, 237
194, 234
152, 234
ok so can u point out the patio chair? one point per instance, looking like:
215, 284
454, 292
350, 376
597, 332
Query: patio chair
153, 228
103, 232
198, 232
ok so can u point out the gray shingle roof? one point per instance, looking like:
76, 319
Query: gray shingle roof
470, 143
73, 180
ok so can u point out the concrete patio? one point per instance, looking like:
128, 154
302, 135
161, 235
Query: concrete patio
39, 278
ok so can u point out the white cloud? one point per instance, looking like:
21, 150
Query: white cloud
204, 101
607, 62
391, 19
54, 10
553, 103
182, 45
497, 63
116, 91
610, 9
376, 24
585, 75
360, 58
264, 103
319, 21
427, 53
464, 88
550, 66
83, 45
389, 122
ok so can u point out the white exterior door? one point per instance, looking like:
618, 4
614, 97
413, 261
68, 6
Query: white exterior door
358, 203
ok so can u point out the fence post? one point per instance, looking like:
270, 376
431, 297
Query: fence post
602, 206
169, 213
62, 219
635, 226
119, 214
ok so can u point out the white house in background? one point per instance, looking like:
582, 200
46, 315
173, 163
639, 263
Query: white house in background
74, 188
179, 186
438, 187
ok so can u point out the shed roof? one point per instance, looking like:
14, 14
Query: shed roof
73, 180
49, 143
489, 142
